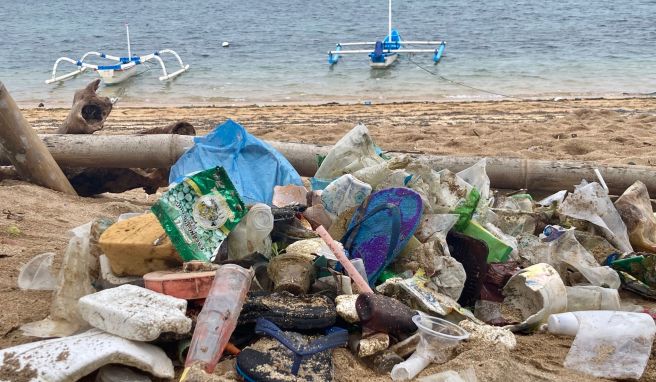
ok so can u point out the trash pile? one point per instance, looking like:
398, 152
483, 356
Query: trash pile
384, 256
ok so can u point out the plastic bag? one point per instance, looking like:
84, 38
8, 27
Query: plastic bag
37, 273
253, 165
477, 177
74, 282
198, 213
377, 174
591, 203
566, 254
343, 193
356, 150
613, 345
634, 206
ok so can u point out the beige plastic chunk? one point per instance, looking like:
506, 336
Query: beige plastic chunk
135, 313
137, 246
71, 358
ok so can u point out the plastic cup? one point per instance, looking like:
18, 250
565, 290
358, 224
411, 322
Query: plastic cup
438, 337
292, 273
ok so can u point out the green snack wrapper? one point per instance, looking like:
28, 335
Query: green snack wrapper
199, 212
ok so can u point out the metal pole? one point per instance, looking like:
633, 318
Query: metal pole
389, 21
127, 30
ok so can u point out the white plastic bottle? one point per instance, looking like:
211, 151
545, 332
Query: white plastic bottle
608, 344
589, 297
252, 233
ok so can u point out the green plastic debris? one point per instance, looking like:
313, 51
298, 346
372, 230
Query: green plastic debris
466, 209
498, 250
199, 212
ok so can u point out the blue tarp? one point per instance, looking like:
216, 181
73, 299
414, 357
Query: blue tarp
254, 167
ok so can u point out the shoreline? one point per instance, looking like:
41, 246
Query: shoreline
150, 105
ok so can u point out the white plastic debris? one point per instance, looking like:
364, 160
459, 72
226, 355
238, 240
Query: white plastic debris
73, 282
71, 358
37, 273
608, 344
108, 279
116, 373
135, 313
591, 203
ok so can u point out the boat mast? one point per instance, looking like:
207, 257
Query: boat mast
127, 30
389, 21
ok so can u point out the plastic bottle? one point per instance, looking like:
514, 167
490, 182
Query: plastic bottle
589, 297
252, 233
608, 344
218, 318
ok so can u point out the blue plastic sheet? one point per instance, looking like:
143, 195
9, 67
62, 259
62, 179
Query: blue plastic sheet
253, 166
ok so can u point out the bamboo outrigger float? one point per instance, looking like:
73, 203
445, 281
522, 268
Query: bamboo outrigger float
124, 68
383, 54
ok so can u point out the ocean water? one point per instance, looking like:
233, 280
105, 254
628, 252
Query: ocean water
278, 49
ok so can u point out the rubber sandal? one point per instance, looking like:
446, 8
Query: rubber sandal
288, 311
381, 227
288, 356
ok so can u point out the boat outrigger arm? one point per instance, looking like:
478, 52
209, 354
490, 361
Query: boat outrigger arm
384, 53
124, 68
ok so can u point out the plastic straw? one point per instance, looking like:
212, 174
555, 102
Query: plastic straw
346, 263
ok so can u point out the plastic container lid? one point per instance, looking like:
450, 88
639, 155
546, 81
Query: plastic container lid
563, 323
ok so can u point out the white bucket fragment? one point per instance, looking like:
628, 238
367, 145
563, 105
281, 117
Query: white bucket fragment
135, 313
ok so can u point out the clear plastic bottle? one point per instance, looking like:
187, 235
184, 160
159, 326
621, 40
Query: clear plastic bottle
218, 318
252, 233
590, 297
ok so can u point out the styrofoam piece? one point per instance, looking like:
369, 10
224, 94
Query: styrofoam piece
37, 273
109, 280
71, 358
116, 373
135, 313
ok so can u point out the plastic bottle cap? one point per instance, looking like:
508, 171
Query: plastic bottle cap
563, 323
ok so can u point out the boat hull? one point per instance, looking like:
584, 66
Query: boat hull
389, 60
112, 77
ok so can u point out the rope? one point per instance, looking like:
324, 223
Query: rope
460, 83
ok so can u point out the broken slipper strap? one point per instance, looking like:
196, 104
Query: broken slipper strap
332, 340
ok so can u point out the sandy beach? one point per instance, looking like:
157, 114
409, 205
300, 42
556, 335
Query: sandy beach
621, 131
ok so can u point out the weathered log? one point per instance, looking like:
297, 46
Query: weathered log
179, 128
25, 150
93, 181
162, 151
88, 113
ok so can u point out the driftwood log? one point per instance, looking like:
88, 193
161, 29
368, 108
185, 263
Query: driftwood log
25, 150
129, 151
94, 181
88, 113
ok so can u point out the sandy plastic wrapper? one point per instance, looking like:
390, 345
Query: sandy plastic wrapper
199, 212
590, 202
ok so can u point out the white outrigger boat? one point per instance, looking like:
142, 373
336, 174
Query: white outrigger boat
125, 68
386, 52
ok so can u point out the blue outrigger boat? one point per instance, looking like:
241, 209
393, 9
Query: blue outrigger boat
386, 52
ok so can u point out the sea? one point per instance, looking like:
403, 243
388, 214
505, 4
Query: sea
496, 49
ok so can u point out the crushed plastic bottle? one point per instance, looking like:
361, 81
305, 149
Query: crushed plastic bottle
218, 319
